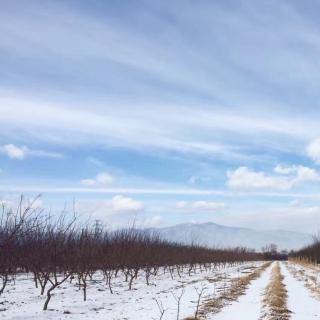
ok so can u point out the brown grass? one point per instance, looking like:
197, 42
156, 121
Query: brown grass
306, 263
275, 297
311, 282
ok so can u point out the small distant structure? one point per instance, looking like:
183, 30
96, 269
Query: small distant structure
97, 227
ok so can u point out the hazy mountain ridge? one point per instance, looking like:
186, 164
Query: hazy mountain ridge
213, 234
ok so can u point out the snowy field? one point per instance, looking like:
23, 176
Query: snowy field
22, 300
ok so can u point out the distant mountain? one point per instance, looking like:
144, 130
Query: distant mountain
215, 235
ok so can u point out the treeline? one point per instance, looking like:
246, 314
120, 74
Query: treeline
310, 253
56, 250
271, 252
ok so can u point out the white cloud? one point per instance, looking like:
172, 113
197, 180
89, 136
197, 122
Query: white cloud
19, 153
117, 208
14, 152
200, 206
124, 204
306, 174
313, 150
298, 173
284, 169
245, 178
181, 204
101, 180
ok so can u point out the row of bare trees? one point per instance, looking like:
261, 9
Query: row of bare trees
310, 253
56, 250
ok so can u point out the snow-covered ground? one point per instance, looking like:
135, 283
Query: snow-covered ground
303, 303
248, 306
23, 301
300, 301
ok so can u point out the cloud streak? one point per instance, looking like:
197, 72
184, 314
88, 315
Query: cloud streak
200, 206
159, 92
224, 94
19, 153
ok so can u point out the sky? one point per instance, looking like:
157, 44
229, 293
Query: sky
163, 112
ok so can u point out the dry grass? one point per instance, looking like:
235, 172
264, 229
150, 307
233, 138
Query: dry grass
236, 289
311, 282
306, 263
275, 297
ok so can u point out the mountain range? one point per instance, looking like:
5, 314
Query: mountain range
215, 235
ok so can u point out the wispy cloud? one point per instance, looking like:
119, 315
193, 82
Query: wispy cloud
101, 180
224, 99
172, 91
105, 127
160, 191
19, 153
200, 206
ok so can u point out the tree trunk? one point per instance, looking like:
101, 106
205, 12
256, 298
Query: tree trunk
35, 280
43, 286
109, 282
84, 289
45, 307
130, 282
4, 283
57, 283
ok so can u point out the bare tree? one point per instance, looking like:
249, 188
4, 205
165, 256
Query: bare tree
162, 310
14, 225
178, 301
199, 293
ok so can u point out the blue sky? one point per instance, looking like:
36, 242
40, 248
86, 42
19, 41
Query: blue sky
163, 111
